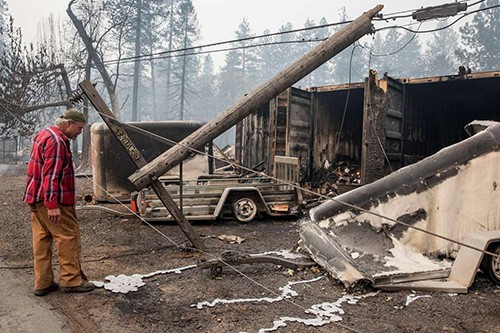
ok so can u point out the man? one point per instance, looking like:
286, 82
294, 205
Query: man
50, 193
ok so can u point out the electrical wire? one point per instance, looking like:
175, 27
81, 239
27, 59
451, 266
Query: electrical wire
337, 143
401, 48
475, 3
441, 28
219, 259
169, 56
232, 41
283, 182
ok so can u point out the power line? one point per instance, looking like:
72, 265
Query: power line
168, 56
170, 53
252, 38
227, 42
441, 28
400, 49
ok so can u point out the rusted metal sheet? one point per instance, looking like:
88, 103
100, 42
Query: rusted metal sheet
299, 139
373, 161
399, 120
451, 193
280, 128
449, 78
394, 123
254, 144
335, 87
337, 134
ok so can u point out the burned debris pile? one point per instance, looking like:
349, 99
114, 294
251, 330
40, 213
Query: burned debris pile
336, 178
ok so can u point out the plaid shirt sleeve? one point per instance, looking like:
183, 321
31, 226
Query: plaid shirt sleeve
50, 176
52, 169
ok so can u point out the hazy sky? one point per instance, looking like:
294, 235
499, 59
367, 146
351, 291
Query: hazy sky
220, 18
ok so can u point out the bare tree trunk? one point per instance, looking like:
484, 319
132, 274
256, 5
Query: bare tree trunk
169, 59
85, 166
108, 83
153, 87
137, 64
183, 78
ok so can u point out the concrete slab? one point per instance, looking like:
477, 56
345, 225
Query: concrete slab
23, 312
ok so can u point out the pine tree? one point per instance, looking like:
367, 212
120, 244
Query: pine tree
397, 54
205, 103
348, 64
439, 57
135, 26
308, 37
239, 75
278, 54
481, 39
185, 67
409, 59
3, 24
323, 74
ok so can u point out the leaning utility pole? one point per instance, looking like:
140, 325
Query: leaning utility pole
283, 80
135, 155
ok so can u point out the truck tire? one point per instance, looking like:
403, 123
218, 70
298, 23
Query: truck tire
491, 265
244, 210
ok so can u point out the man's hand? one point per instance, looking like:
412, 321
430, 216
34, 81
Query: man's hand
54, 215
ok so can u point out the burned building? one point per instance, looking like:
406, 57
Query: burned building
381, 124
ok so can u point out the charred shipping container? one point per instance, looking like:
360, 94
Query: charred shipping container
380, 125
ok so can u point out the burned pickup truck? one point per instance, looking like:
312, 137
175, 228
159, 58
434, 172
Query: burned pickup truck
210, 197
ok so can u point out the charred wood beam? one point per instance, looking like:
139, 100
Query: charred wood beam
262, 94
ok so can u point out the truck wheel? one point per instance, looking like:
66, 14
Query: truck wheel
244, 209
491, 265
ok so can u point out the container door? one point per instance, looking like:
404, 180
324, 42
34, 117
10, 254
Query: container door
299, 141
394, 122
292, 120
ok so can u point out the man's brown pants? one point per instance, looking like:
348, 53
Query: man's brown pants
66, 235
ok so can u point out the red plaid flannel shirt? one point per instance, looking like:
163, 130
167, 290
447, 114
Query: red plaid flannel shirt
50, 177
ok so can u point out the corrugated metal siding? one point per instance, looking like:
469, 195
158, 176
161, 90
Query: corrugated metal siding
256, 137
299, 127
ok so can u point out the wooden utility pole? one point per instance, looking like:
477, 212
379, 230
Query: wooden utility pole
262, 94
137, 158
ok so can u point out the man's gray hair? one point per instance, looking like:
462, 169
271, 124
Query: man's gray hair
60, 121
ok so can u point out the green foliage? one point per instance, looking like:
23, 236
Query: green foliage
238, 75
3, 24
481, 39
439, 59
